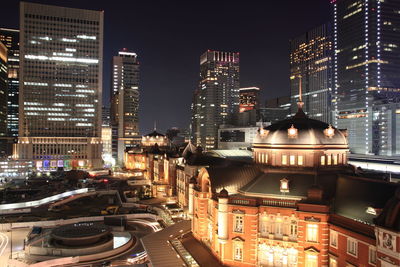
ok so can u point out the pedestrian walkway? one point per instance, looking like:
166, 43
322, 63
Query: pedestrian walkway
159, 250
199, 252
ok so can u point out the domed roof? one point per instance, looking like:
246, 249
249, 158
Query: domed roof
300, 130
155, 134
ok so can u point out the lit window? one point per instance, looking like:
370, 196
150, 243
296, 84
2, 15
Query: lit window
284, 185
372, 255
278, 225
322, 160
292, 159
284, 159
238, 224
262, 158
264, 225
335, 159
329, 160
352, 246
300, 160
332, 261
329, 132
238, 251
333, 239
292, 132
312, 232
311, 260
293, 229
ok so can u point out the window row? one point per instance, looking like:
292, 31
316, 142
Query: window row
278, 226
34, 16
293, 160
333, 159
351, 248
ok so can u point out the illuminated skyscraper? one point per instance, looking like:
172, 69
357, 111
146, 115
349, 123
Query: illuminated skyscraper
125, 102
311, 59
366, 71
3, 98
217, 99
10, 39
61, 70
249, 98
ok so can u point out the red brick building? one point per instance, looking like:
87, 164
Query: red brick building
298, 204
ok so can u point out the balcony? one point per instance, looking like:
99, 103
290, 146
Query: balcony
279, 237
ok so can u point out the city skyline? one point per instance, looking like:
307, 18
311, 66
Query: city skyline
157, 36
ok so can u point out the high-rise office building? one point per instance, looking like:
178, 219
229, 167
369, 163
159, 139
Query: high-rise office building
217, 100
125, 102
366, 69
249, 98
61, 70
311, 63
10, 38
105, 116
3, 98
195, 118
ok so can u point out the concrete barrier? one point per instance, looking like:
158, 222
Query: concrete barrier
9, 226
86, 258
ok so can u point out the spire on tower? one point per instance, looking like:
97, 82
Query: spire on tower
300, 113
300, 103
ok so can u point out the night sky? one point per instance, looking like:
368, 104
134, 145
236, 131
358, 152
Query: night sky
169, 37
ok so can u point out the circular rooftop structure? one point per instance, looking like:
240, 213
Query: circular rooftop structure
300, 130
80, 234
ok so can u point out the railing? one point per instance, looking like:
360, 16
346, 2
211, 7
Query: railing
287, 238
45, 200
279, 203
164, 216
183, 253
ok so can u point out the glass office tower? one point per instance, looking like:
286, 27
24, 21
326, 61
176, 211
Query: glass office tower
61, 59
10, 38
3, 98
311, 59
366, 70
217, 99
125, 102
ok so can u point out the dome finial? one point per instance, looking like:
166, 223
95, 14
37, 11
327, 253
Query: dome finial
300, 113
300, 103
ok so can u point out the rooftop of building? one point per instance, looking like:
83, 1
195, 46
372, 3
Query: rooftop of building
301, 130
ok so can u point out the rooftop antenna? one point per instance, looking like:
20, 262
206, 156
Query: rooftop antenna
155, 125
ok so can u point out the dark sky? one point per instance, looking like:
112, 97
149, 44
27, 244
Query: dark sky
169, 37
